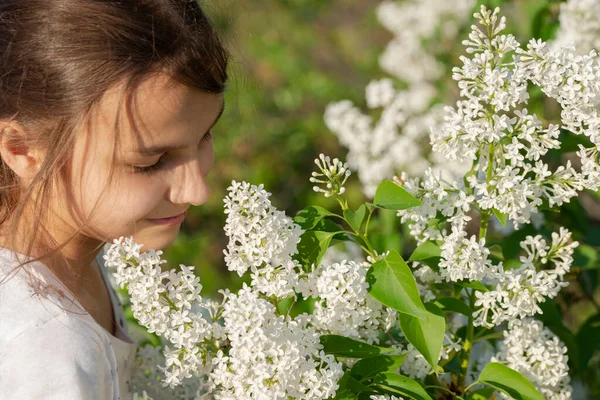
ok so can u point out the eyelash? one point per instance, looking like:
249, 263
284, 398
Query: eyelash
159, 164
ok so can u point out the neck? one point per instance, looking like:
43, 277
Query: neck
73, 263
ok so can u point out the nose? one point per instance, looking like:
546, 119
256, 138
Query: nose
189, 184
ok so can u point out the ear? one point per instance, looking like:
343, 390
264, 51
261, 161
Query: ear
17, 152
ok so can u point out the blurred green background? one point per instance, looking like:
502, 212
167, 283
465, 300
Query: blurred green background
289, 59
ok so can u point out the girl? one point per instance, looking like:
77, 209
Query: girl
106, 110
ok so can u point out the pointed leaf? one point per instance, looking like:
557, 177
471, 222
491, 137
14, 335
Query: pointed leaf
427, 335
425, 251
473, 285
312, 247
348, 388
310, 216
342, 346
392, 283
509, 381
368, 367
503, 218
355, 218
393, 197
481, 394
402, 385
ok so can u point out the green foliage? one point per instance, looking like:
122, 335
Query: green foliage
426, 334
392, 283
509, 381
369, 367
345, 347
401, 385
394, 197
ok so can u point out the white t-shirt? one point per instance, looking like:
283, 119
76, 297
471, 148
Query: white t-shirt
51, 348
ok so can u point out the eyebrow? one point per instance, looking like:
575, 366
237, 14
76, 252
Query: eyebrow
155, 150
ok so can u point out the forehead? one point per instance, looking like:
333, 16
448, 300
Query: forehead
158, 110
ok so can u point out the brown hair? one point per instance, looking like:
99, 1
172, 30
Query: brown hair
60, 56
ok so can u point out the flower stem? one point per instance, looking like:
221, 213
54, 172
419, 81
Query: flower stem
466, 353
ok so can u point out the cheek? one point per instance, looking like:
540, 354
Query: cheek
117, 209
129, 202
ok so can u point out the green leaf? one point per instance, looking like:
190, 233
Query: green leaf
312, 247
310, 216
451, 304
503, 218
481, 394
398, 384
427, 335
425, 251
349, 388
355, 218
354, 386
345, 395
342, 346
392, 283
393, 197
473, 285
368, 367
509, 381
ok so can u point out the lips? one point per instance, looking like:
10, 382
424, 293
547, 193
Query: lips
173, 216
169, 220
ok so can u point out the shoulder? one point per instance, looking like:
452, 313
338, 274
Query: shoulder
51, 360
26, 310
22, 306
46, 350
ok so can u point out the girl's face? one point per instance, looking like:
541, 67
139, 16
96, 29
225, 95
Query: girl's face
161, 167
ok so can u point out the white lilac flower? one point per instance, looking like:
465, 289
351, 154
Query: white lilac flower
385, 397
412, 23
415, 365
537, 353
380, 93
269, 356
537, 220
344, 307
424, 277
262, 239
466, 259
146, 380
570, 79
343, 251
162, 302
518, 292
333, 175
397, 141
578, 25
442, 201
503, 141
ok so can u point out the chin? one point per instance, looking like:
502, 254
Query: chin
156, 242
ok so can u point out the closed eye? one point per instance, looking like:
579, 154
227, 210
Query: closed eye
161, 162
